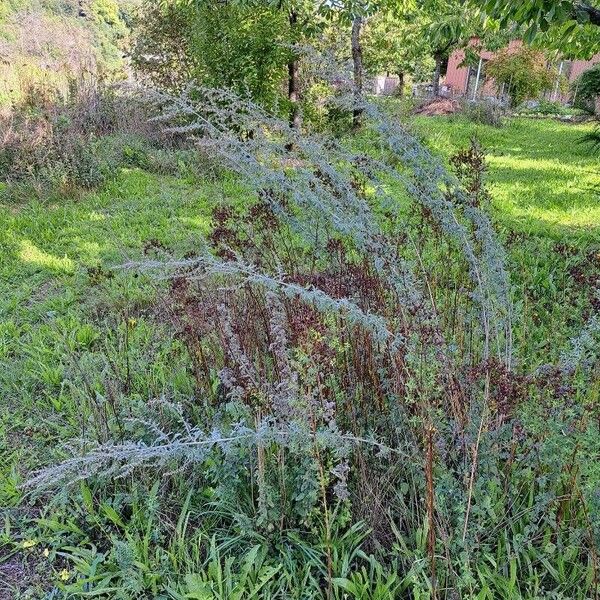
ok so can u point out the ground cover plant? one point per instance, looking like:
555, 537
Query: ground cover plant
320, 377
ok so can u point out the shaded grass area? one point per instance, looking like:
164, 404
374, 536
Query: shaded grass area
66, 305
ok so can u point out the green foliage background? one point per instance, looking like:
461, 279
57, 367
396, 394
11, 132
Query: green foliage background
46, 43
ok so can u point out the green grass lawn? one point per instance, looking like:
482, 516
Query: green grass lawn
544, 180
49, 246
545, 187
63, 295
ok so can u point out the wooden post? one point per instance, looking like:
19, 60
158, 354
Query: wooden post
435, 84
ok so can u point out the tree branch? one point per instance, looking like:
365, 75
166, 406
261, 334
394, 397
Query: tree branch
585, 12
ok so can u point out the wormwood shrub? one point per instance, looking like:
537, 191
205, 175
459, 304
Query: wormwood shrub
349, 335
586, 92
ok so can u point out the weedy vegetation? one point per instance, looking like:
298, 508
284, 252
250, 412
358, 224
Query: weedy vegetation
297, 365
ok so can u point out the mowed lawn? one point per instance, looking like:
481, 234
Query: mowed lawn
543, 178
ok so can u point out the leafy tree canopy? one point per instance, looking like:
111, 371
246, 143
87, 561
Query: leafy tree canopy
524, 72
570, 26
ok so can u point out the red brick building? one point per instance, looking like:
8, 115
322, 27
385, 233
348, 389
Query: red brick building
461, 80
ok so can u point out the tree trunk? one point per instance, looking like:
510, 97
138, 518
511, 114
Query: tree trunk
436, 75
293, 85
400, 88
358, 72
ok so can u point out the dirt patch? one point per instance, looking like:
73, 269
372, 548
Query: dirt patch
43, 291
18, 575
438, 106
12, 574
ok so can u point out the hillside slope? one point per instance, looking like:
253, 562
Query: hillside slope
45, 43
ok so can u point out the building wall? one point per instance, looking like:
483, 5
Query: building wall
457, 76
579, 66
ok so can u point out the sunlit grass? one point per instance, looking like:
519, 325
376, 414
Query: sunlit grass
30, 253
41, 242
543, 179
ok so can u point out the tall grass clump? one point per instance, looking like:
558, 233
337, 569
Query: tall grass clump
56, 144
349, 334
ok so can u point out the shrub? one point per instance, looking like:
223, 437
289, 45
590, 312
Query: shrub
349, 334
321, 113
524, 72
180, 42
548, 108
79, 141
485, 112
586, 88
544, 107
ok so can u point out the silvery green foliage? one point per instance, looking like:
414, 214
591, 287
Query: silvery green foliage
311, 183
583, 352
186, 446
426, 180
239, 272
584, 348
287, 387
315, 175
